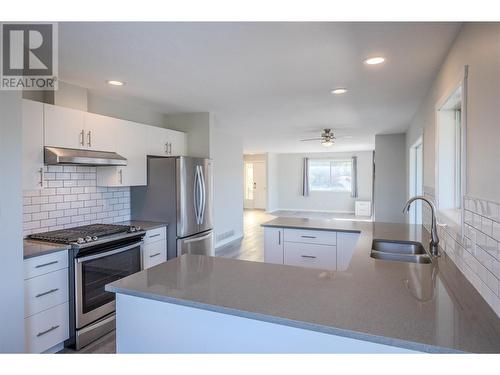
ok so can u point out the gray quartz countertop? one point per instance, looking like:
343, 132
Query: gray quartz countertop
146, 225
32, 248
425, 307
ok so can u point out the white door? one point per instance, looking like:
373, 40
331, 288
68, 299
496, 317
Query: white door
32, 145
259, 185
64, 127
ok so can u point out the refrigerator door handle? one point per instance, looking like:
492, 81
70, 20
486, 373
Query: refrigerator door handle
203, 196
196, 195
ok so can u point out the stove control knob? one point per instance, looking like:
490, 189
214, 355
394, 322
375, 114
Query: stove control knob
88, 239
80, 240
94, 238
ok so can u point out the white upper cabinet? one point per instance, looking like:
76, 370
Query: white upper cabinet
130, 142
100, 132
32, 145
71, 128
165, 142
64, 127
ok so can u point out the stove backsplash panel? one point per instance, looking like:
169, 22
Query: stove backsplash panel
72, 198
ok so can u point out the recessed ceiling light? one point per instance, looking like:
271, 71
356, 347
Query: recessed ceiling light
339, 91
115, 83
375, 60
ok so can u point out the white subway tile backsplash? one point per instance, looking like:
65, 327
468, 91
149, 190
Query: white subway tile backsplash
71, 198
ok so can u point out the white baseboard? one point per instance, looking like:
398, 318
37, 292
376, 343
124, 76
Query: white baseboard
228, 241
319, 211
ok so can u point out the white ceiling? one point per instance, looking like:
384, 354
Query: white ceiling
268, 82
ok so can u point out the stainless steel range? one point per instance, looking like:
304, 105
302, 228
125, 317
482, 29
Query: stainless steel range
99, 255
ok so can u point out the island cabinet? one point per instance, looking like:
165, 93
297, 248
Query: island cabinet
322, 249
155, 247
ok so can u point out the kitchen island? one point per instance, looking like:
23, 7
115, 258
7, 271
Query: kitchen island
206, 304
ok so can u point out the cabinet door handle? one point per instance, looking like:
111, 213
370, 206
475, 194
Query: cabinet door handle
41, 176
170, 148
154, 255
279, 237
308, 256
47, 264
47, 292
308, 236
89, 139
120, 172
47, 331
82, 138
166, 148
154, 235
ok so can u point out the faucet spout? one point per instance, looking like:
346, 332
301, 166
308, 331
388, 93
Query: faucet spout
434, 244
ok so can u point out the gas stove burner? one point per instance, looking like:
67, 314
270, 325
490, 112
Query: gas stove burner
84, 234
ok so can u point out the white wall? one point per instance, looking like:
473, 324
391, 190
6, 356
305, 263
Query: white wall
227, 154
11, 250
477, 45
272, 182
287, 187
390, 178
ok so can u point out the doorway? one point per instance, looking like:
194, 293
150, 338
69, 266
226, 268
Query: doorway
255, 185
416, 180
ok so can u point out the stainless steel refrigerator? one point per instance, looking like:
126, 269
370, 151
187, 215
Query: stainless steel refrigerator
179, 193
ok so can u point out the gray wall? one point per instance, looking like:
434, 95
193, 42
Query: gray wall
390, 178
11, 251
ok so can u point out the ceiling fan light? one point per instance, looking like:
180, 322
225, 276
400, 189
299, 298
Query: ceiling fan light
327, 143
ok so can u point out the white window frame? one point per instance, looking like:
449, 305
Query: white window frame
311, 189
455, 218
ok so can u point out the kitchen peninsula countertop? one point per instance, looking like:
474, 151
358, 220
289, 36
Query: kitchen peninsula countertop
423, 307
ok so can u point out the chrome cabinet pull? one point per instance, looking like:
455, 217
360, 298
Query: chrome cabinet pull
47, 331
47, 264
89, 139
308, 236
308, 256
154, 255
47, 292
155, 235
82, 138
170, 148
279, 237
166, 148
120, 172
41, 177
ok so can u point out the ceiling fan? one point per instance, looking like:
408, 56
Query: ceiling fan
327, 138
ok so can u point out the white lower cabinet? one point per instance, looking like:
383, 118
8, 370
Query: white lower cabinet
46, 306
310, 255
324, 249
273, 245
155, 247
46, 329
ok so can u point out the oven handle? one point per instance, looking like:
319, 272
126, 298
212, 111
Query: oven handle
107, 253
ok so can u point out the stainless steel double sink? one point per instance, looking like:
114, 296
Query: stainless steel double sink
402, 251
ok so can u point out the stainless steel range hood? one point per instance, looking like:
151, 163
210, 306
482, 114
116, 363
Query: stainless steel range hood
58, 155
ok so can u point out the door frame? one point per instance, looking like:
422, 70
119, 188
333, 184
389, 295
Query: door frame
250, 204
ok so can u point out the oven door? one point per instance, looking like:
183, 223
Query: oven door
93, 272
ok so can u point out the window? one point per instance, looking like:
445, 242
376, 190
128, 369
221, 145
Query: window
330, 175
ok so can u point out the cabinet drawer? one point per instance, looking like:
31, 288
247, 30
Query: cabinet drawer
311, 236
155, 235
46, 329
43, 264
310, 255
154, 253
46, 291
